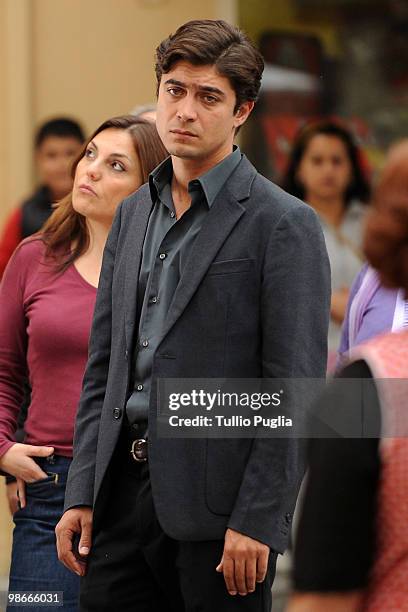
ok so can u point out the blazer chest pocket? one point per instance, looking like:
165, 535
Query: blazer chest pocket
229, 266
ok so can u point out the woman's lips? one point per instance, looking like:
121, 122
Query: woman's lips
86, 189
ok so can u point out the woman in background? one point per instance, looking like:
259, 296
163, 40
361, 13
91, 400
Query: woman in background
47, 300
352, 546
324, 170
374, 308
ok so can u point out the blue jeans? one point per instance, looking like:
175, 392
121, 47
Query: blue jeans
34, 562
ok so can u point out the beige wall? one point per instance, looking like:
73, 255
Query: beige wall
88, 58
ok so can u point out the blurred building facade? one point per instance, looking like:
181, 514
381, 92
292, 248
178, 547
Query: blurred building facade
90, 59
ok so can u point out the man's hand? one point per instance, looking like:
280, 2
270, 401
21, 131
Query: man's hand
75, 522
244, 562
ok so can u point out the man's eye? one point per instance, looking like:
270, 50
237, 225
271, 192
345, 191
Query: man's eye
174, 91
210, 99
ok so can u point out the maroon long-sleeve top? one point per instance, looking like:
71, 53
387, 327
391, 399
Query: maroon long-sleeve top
45, 321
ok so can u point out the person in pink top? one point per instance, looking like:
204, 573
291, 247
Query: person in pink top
351, 551
47, 299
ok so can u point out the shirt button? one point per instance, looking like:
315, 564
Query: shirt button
154, 300
145, 343
117, 413
162, 256
139, 387
126, 354
172, 214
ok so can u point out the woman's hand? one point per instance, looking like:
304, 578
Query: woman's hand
18, 461
339, 304
12, 496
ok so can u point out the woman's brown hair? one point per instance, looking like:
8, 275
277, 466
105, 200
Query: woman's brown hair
386, 236
66, 227
358, 187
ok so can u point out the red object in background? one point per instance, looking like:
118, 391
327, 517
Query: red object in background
10, 238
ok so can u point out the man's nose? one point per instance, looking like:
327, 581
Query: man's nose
186, 110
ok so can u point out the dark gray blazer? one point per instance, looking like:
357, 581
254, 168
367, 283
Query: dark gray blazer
253, 301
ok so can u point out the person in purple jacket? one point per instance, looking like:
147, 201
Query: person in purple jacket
47, 299
372, 308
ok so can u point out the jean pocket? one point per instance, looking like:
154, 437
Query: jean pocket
50, 479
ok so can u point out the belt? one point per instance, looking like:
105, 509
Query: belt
136, 436
138, 450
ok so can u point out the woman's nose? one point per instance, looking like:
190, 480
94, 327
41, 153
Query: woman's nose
94, 172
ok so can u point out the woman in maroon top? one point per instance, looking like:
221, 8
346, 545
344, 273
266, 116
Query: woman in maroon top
47, 299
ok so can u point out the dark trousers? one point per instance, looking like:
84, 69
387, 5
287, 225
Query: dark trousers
134, 566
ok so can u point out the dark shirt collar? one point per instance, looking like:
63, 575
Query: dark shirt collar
209, 183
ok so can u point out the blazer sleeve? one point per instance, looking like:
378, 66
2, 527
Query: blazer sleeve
295, 307
81, 477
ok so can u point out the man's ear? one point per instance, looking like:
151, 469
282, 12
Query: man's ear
243, 112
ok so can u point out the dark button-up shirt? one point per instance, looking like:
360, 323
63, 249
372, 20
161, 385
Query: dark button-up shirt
166, 247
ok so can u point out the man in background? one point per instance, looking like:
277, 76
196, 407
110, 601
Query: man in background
57, 143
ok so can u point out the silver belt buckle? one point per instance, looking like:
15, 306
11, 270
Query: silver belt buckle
139, 450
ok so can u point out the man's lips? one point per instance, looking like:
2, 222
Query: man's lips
183, 133
87, 189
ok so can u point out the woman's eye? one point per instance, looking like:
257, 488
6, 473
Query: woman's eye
118, 166
89, 153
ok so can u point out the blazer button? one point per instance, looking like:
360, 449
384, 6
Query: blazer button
117, 413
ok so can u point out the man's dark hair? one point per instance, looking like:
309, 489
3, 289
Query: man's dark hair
62, 127
214, 43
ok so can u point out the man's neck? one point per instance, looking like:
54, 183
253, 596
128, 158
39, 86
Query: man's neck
186, 170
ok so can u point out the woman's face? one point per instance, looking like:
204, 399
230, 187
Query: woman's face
325, 171
109, 171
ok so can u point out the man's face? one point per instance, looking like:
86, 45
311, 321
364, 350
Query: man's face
195, 113
54, 160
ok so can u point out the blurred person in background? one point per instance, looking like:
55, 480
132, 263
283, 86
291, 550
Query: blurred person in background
145, 111
374, 308
47, 299
352, 546
324, 170
57, 143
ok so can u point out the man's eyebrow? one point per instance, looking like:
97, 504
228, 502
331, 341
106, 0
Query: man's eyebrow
174, 82
209, 89
203, 88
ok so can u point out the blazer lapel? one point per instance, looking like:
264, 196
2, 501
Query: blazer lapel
219, 222
134, 250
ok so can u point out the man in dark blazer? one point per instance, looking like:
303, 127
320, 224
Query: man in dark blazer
210, 271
